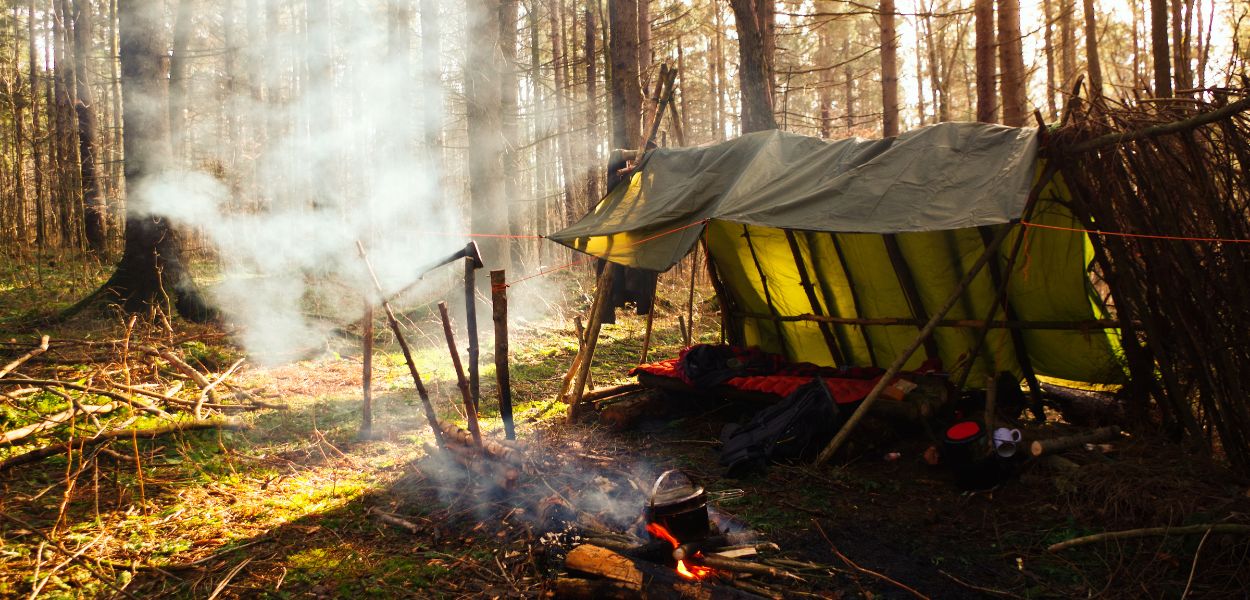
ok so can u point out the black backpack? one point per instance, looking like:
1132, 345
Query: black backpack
799, 425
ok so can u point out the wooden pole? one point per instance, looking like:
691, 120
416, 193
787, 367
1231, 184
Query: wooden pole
587, 354
897, 365
470, 319
991, 405
366, 376
499, 314
1091, 325
646, 338
805, 281
403, 346
694, 265
470, 411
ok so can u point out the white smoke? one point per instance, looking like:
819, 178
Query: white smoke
301, 171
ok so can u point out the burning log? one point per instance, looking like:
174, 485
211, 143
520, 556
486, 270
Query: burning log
1102, 434
712, 544
639, 578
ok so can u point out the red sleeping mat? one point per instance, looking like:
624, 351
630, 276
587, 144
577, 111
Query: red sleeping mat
844, 390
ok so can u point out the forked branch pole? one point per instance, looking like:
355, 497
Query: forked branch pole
403, 346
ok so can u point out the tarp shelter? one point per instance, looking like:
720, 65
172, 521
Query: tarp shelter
835, 252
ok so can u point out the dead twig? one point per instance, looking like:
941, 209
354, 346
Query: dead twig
43, 347
977, 588
1234, 528
863, 570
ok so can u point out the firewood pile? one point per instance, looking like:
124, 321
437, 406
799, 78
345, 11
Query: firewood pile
81, 395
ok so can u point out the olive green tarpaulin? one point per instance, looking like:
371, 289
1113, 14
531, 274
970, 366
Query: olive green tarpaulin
860, 229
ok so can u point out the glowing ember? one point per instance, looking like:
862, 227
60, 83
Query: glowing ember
694, 572
660, 532
691, 572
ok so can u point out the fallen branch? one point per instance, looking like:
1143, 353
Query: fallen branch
105, 436
20, 433
43, 383
43, 347
1109, 536
393, 520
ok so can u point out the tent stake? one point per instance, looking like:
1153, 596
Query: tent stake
897, 365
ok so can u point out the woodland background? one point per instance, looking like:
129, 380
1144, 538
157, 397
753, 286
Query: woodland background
512, 130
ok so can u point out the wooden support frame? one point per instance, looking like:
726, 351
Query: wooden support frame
907, 283
1094, 325
768, 296
805, 280
894, 368
855, 299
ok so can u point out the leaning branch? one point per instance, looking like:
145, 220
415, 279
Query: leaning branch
1195, 122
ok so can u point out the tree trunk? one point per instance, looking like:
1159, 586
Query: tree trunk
36, 150
18, 101
1092, 63
151, 272
508, 17
626, 90
848, 73
987, 109
95, 212
1067, 45
718, 57
1159, 48
889, 70
432, 80
825, 93
564, 149
1180, 61
115, 139
592, 127
1011, 63
178, 77
66, 150
644, 43
755, 71
487, 210
1052, 107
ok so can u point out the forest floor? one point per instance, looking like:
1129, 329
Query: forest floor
298, 505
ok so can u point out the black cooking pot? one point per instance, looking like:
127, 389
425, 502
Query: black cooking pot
679, 506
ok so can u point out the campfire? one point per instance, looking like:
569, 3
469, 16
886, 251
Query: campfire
693, 552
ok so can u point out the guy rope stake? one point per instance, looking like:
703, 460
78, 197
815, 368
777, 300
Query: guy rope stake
403, 346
